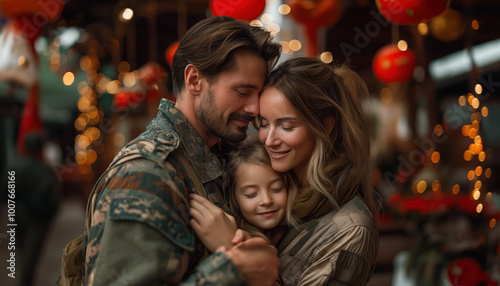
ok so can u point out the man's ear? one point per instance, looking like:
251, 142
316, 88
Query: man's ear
329, 124
192, 79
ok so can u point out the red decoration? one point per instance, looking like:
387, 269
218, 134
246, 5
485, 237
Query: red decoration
152, 73
391, 65
465, 271
245, 10
314, 15
30, 120
169, 53
152, 94
128, 98
40, 11
411, 11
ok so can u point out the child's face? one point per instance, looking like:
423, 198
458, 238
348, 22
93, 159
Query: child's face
261, 195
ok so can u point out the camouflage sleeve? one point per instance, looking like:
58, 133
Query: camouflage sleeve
142, 256
140, 234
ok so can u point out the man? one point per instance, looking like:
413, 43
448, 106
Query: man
140, 233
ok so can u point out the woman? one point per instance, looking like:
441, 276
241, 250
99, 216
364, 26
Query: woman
312, 124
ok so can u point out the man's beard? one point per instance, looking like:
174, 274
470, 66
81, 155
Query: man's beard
213, 123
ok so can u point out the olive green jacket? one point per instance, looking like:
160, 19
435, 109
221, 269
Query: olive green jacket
140, 232
338, 248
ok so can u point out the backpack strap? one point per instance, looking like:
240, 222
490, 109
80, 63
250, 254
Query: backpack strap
176, 154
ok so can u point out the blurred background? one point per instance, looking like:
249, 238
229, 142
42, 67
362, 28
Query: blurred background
79, 79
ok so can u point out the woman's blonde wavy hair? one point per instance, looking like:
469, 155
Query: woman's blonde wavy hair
318, 91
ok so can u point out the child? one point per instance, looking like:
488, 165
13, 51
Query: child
259, 199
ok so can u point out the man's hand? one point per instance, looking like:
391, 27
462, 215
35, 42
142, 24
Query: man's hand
213, 226
256, 260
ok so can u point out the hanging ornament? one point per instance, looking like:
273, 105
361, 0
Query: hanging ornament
314, 15
391, 65
411, 11
245, 10
17, 59
42, 11
448, 26
465, 271
169, 53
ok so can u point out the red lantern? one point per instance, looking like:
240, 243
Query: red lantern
391, 65
314, 15
169, 53
245, 10
43, 11
465, 271
152, 73
411, 11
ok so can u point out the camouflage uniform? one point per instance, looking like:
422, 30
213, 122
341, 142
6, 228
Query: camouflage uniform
140, 233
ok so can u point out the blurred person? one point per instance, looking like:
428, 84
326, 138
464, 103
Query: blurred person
36, 204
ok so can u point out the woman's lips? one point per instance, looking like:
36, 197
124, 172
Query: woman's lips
278, 155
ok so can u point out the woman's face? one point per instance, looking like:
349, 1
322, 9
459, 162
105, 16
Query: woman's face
288, 140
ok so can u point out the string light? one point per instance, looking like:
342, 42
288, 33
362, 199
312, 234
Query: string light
295, 45
127, 14
475, 24
435, 157
462, 100
326, 57
456, 189
484, 111
436, 186
479, 208
438, 130
284, 9
421, 186
285, 47
402, 45
423, 29
267, 18
478, 89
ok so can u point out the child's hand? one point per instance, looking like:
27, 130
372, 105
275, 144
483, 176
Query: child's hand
240, 236
213, 226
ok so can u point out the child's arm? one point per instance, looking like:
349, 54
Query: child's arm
213, 226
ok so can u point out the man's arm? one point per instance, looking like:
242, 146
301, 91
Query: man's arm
132, 253
140, 232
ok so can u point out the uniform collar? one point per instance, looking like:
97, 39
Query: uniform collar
205, 163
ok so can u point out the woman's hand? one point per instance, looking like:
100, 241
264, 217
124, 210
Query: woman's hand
213, 226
